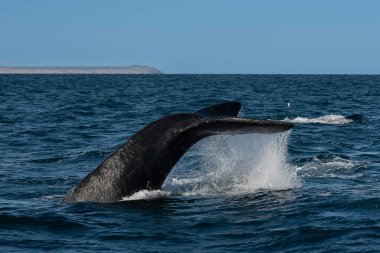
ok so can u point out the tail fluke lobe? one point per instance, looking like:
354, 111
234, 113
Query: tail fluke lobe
224, 109
205, 127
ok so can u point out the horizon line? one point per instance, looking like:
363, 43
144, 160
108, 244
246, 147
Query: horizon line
147, 66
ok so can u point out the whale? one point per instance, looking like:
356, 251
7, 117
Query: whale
358, 118
144, 161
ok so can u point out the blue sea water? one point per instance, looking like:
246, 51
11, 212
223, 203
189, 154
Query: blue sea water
313, 189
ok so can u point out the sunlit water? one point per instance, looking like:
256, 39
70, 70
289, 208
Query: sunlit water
313, 189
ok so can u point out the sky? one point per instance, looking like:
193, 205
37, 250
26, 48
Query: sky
195, 36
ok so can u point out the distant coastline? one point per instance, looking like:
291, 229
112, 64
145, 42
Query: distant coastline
133, 69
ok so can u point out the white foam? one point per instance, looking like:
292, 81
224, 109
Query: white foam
327, 119
336, 167
145, 194
51, 197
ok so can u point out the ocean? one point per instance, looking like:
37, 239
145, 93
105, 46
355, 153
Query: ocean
315, 188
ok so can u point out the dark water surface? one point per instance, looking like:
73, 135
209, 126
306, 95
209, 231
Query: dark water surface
54, 129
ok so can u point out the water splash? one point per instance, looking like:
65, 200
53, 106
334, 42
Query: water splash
221, 165
327, 119
235, 164
145, 194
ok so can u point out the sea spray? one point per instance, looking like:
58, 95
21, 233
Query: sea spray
235, 164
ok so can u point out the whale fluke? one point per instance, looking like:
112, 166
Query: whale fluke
145, 160
223, 109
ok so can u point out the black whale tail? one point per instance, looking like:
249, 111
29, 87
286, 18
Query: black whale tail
145, 160
224, 109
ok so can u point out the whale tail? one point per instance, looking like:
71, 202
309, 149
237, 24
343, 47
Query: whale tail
145, 160
224, 109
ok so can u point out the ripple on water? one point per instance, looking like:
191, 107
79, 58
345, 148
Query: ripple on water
228, 194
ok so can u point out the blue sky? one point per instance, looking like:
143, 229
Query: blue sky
194, 36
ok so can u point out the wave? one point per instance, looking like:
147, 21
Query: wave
331, 166
90, 154
33, 223
225, 165
57, 159
327, 119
